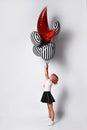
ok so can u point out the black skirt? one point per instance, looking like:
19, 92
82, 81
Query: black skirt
47, 97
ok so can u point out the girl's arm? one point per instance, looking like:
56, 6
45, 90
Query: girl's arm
46, 71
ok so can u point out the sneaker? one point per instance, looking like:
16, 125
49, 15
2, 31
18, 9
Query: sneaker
51, 123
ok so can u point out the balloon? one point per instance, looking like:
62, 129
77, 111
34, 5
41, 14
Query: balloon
48, 51
37, 50
41, 39
35, 38
55, 25
43, 28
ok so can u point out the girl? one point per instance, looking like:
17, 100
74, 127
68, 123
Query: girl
47, 96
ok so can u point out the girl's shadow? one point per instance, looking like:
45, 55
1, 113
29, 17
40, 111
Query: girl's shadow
62, 41
61, 105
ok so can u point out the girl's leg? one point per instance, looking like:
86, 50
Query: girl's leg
51, 111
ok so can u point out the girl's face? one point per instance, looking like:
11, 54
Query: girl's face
54, 79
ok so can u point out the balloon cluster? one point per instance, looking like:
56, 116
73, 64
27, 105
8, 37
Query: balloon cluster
42, 38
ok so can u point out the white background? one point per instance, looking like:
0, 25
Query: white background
22, 73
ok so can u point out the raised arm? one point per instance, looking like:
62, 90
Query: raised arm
46, 71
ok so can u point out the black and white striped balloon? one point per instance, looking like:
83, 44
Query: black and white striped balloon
35, 38
37, 50
48, 51
55, 25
